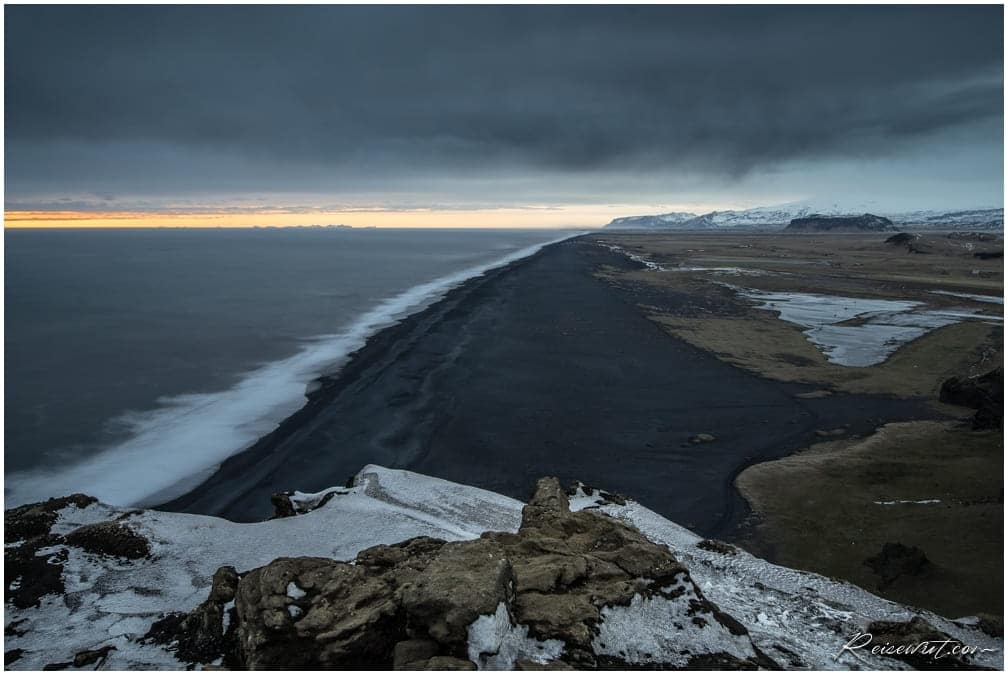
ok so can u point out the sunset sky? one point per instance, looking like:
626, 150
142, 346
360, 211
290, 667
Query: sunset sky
493, 116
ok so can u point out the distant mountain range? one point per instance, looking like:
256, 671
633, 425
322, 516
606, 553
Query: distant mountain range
778, 217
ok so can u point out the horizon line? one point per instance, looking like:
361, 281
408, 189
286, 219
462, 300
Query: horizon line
413, 219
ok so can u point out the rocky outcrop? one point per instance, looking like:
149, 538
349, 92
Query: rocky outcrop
29, 576
33, 520
88, 657
206, 633
109, 538
984, 393
902, 238
913, 241
863, 223
287, 504
411, 572
567, 590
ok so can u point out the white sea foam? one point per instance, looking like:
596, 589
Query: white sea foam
173, 448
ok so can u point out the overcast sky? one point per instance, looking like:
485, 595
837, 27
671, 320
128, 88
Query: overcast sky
474, 107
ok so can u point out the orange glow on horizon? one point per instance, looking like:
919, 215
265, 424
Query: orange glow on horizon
545, 217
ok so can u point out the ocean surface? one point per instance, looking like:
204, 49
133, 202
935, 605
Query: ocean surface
137, 360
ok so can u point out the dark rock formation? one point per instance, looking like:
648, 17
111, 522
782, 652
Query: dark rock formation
33, 520
200, 636
84, 658
863, 223
913, 242
715, 546
896, 560
429, 604
109, 538
286, 505
283, 507
984, 393
12, 655
29, 576
902, 239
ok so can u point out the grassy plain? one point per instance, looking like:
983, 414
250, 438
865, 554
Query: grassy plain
818, 509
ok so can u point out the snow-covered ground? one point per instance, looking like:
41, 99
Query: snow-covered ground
114, 603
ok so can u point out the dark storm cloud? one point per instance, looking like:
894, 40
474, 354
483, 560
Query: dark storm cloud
381, 89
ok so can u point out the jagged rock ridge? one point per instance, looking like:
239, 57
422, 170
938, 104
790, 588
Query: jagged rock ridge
564, 590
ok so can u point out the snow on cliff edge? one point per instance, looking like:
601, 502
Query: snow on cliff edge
113, 602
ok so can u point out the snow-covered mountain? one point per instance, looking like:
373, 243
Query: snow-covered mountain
779, 216
93, 584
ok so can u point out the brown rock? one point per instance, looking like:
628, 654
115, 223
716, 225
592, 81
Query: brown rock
463, 581
411, 605
716, 546
33, 520
344, 618
109, 538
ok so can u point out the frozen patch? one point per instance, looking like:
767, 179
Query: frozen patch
661, 630
883, 326
497, 644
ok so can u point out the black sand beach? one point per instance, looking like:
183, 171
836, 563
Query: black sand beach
535, 369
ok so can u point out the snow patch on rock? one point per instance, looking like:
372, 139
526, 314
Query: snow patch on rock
495, 643
655, 630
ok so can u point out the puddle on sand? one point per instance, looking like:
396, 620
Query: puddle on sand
885, 324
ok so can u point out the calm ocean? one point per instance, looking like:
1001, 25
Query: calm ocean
138, 360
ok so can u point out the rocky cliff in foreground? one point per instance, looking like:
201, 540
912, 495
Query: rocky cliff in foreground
413, 572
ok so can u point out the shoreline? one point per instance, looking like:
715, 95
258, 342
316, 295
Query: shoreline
327, 386
187, 431
539, 368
